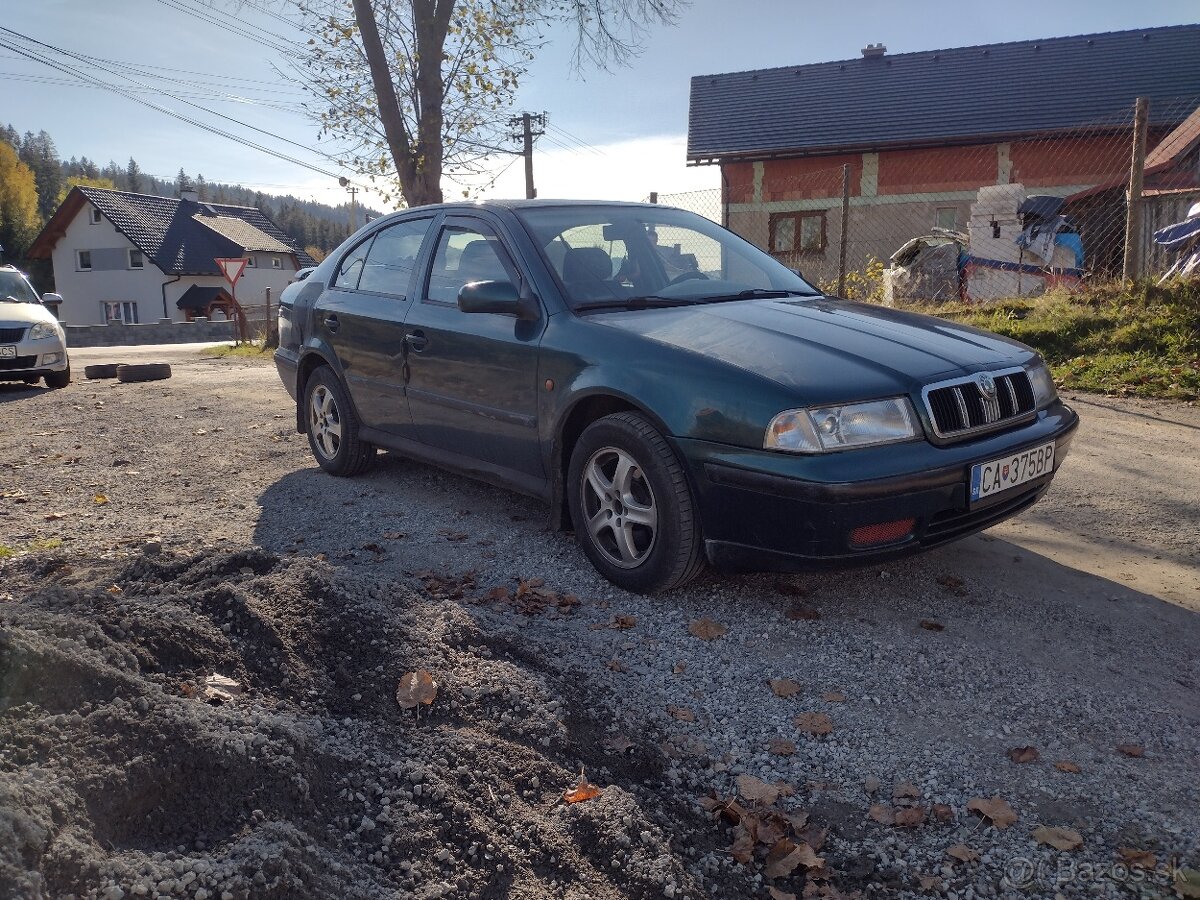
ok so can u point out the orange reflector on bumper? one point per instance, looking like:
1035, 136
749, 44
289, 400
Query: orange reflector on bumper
882, 533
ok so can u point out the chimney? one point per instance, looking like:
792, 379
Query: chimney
873, 51
193, 196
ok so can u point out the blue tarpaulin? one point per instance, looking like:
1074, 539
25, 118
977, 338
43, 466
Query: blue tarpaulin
1173, 237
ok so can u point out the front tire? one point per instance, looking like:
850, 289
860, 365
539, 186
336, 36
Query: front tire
632, 507
57, 380
332, 426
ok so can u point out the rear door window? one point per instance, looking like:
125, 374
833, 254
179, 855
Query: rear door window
389, 263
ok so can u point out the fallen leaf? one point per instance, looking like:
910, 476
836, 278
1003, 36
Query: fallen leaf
815, 723
682, 713
798, 820
498, 593
617, 666
799, 612
790, 590
221, 689
622, 622
451, 535
115, 589
742, 848
374, 548
882, 814
776, 894
942, 812
583, 790
1134, 750
906, 790
953, 584
53, 517
1066, 766
1187, 883
781, 746
100, 499
395, 535
1140, 858
910, 817
930, 625
833, 697
995, 810
785, 687
618, 743
782, 859
706, 629
930, 882
679, 668
756, 790
1058, 838
1023, 754
416, 689
963, 853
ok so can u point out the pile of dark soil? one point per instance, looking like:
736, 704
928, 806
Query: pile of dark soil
118, 778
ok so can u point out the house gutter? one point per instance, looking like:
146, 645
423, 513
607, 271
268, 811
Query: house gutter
163, 288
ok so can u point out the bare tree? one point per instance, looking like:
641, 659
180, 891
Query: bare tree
418, 89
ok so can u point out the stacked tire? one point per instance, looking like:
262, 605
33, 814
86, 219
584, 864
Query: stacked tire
129, 374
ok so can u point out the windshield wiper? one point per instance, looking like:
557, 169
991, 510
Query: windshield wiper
650, 301
758, 294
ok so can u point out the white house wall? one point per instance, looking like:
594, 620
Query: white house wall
111, 279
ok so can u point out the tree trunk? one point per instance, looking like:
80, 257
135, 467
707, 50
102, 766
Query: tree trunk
419, 165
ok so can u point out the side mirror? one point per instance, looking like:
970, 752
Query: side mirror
52, 299
500, 297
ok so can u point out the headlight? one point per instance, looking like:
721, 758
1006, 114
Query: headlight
1044, 391
43, 330
826, 428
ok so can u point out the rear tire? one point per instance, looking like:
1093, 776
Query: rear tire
631, 506
332, 426
143, 372
56, 380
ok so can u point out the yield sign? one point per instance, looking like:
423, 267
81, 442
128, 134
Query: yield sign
232, 268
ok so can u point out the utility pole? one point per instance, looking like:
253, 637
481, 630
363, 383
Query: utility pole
526, 135
1133, 215
353, 192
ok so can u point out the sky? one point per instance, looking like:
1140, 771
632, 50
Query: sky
616, 134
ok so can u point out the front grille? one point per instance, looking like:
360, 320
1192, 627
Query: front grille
963, 407
21, 362
11, 335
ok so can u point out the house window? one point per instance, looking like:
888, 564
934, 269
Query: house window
798, 232
250, 263
95, 216
83, 260
136, 260
276, 262
946, 217
120, 310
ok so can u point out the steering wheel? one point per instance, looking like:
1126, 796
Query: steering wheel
688, 276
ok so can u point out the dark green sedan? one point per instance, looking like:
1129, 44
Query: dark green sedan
676, 395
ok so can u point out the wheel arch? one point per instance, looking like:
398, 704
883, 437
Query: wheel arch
582, 412
310, 361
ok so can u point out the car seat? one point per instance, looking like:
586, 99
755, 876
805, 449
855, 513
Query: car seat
586, 272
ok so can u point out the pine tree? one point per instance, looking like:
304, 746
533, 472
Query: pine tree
133, 176
201, 187
39, 153
182, 182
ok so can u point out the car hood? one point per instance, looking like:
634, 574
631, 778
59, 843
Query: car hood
24, 313
828, 350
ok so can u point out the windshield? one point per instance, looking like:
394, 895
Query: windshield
626, 256
13, 286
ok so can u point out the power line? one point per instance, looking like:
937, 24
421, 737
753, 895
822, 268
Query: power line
61, 67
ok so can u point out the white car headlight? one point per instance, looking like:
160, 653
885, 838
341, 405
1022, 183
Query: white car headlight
43, 330
1044, 391
826, 428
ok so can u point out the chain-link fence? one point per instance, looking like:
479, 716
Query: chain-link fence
979, 222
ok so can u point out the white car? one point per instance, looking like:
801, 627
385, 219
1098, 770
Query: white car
33, 344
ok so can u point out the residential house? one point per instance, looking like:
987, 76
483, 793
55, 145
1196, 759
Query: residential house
920, 133
137, 258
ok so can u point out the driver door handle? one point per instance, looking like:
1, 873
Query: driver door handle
416, 340
331, 322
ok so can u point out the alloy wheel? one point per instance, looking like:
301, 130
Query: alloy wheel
325, 421
622, 517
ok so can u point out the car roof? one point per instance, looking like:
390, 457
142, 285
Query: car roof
468, 205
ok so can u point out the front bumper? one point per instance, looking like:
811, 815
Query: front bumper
34, 359
767, 511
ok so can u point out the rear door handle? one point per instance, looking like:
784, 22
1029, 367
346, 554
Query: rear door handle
331, 322
416, 340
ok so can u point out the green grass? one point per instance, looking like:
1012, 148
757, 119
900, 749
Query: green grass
1142, 341
252, 350
6, 550
34, 545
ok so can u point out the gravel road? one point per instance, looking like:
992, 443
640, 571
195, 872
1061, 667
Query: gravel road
154, 534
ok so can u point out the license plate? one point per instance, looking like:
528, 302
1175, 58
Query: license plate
1007, 472
8, 352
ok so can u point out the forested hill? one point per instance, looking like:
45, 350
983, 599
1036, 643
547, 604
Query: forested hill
318, 227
